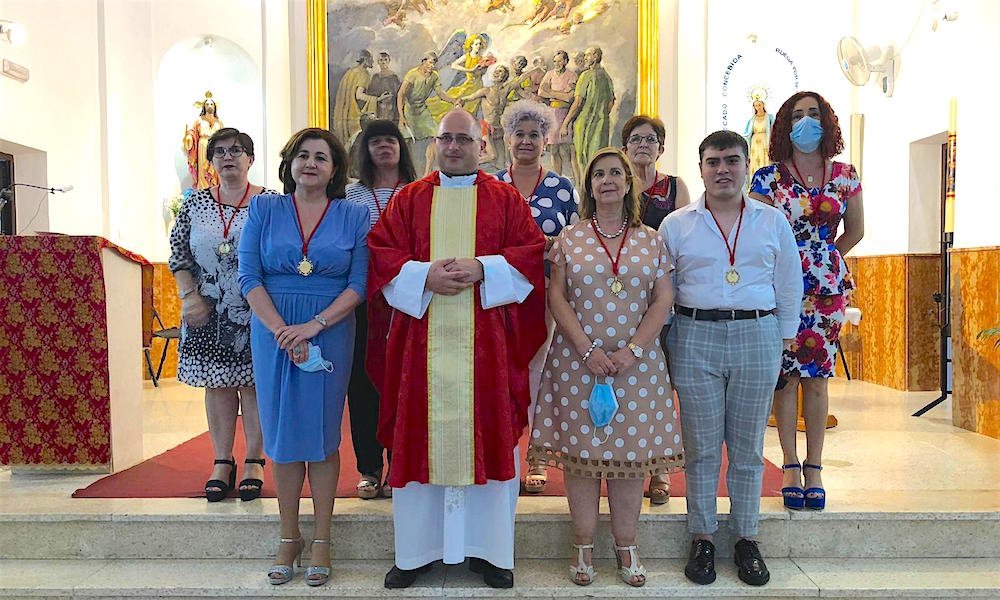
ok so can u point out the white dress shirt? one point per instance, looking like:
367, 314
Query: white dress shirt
502, 283
767, 260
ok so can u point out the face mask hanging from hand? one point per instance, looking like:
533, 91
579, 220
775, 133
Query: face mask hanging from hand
806, 134
315, 361
603, 406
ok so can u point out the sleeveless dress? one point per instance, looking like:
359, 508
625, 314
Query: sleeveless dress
815, 215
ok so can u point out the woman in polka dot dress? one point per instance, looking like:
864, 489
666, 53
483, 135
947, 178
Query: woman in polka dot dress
609, 293
553, 203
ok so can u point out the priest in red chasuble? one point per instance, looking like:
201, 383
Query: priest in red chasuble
460, 260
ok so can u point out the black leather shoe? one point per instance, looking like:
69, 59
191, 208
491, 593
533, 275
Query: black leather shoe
750, 564
700, 567
493, 576
398, 578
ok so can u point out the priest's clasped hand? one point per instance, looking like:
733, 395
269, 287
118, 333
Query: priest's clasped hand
450, 276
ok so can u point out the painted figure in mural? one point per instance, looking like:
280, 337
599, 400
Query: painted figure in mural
415, 119
579, 64
590, 113
384, 86
758, 135
494, 101
352, 100
556, 89
196, 137
472, 63
538, 68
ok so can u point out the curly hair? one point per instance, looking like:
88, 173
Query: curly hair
335, 188
632, 207
781, 145
527, 110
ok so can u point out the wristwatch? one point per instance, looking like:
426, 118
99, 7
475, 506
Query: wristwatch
321, 320
636, 349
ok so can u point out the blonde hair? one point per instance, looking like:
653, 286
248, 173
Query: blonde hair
632, 203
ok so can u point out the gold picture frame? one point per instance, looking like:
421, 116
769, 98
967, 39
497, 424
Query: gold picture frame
647, 61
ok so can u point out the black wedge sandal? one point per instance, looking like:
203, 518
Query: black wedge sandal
254, 486
224, 487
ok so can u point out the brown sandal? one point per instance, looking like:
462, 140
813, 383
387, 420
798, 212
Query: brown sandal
535, 480
369, 487
659, 489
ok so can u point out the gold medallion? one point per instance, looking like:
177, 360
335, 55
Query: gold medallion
616, 285
305, 266
225, 248
732, 276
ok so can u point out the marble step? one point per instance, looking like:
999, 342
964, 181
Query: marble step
188, 529
800, 578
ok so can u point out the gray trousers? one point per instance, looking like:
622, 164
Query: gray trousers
724, 373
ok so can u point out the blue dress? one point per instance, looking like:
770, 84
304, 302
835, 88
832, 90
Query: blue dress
300, 412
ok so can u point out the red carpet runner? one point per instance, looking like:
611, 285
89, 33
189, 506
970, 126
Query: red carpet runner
181, 473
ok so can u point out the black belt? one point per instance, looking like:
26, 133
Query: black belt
714, 314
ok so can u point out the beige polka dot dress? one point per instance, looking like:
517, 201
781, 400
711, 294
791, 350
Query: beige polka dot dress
644, 437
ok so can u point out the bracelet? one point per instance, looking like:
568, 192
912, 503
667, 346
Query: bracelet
593, 346
187, 292
321, 320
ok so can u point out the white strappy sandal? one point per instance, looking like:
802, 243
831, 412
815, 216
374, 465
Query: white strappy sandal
632, 572
575, 571
279, 574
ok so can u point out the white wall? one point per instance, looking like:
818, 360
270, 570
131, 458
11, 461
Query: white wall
90, 104
57, 111
957, 60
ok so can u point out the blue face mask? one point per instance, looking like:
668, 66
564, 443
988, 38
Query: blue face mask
315, 361
603, 405
806, 134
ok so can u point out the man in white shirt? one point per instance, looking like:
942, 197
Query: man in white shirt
738, 282
459, 257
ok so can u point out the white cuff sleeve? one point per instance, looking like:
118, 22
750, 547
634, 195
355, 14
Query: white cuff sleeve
406, 291
502, 283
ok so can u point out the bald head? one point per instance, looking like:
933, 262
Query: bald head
459, 143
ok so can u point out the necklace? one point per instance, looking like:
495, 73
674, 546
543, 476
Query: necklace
226, 247
732, 275
615, 283
534, 188
809, 179
597, 228
307, 266
395, 188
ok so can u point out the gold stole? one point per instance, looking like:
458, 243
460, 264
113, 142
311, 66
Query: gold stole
451, 345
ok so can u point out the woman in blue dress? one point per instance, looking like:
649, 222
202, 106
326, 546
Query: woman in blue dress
302, 264
553, 203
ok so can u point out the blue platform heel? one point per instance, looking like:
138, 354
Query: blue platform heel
815, 497
793, 496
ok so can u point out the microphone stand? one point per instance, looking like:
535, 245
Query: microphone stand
8, 192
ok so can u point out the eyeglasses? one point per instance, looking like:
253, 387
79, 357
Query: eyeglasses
448, 139
649, 139
233, 151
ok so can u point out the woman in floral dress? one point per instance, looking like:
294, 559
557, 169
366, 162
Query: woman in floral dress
816, 194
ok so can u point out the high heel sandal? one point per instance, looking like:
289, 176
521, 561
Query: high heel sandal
224, 487
659, 490
793, 496
536, 478
580, 568
369, 487
280, 574
254, 486
312, 570
632, 572
815, 497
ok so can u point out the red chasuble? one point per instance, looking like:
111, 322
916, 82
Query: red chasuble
423, 415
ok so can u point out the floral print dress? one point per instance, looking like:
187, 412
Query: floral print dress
815, 215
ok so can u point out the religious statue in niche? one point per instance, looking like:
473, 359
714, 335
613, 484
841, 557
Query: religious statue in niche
758, 131
196, 136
